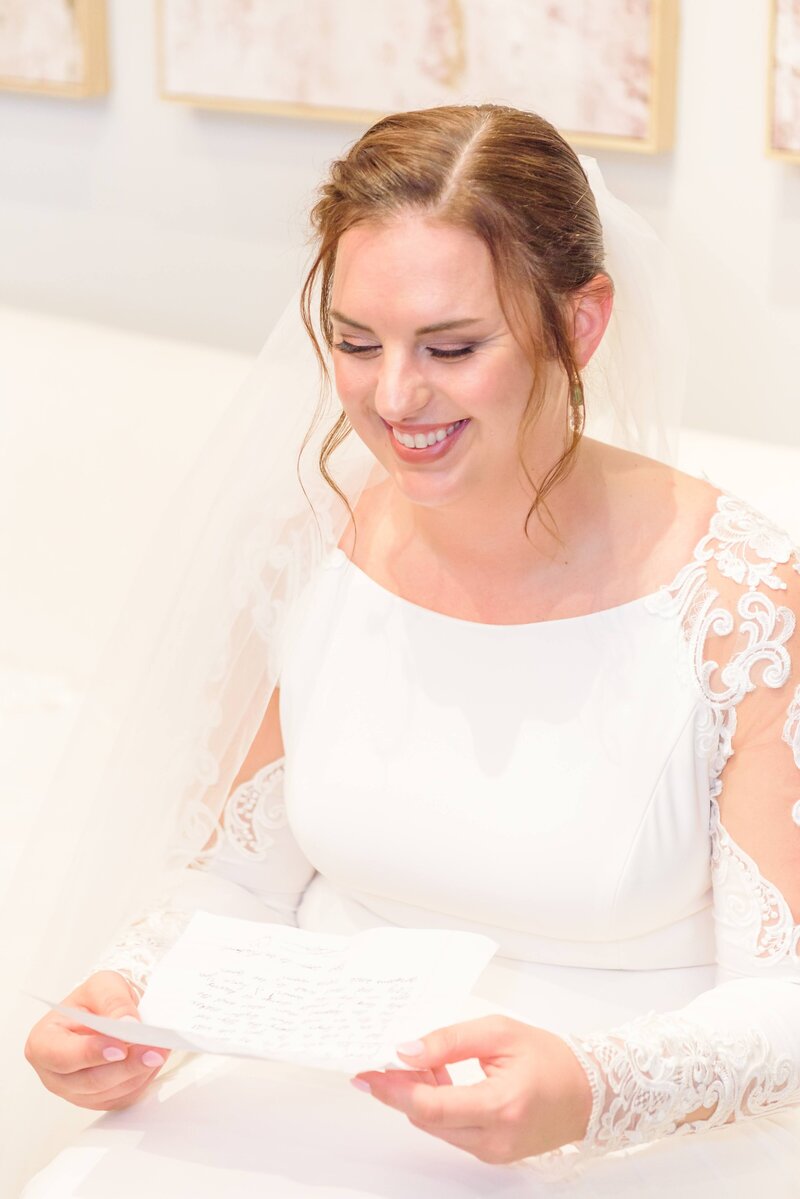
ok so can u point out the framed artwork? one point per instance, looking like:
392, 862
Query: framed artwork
53, 46
603, 71
784, 81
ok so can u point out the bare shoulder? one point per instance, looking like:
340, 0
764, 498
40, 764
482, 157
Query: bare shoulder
647, 479
660, 512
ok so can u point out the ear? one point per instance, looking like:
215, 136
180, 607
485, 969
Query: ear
591, 307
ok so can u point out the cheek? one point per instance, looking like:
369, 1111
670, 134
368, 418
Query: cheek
497, 393
353, 380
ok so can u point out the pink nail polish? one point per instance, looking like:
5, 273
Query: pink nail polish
151, 1058
361, 1085
112, 1053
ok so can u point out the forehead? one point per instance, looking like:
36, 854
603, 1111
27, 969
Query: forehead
416, 266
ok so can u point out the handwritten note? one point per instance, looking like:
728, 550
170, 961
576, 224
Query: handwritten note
252, 989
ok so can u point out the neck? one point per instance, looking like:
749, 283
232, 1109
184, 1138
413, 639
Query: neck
486, 532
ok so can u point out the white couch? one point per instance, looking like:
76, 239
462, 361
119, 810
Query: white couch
76, 400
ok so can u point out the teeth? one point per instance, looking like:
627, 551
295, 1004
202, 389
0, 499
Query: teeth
420, 440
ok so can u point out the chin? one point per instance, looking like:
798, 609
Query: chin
426, 491
427, 487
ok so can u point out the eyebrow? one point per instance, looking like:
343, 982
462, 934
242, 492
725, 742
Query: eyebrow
440, 327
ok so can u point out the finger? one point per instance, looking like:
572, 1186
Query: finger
439, 1077
487, 1037
470, 1106
61, 1051
72, 1024
100, 1079
107, 994
64, 1052
132, 1090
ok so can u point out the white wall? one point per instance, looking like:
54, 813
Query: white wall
191, 224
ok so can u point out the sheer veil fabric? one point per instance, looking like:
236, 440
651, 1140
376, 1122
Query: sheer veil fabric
184, 681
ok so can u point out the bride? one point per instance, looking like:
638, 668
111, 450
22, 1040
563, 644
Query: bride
542, 686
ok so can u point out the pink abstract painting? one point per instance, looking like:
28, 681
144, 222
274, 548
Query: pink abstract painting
40, 40
587, 65
786, 78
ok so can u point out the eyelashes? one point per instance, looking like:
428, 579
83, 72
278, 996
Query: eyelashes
347, 347
461, 352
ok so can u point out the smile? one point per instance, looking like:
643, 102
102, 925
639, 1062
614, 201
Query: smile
421, 441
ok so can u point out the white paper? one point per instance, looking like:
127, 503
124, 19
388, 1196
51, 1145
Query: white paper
340, 1002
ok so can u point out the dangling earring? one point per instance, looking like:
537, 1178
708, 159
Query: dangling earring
577, 409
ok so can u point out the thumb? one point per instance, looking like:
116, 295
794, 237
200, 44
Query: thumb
486, 1037
109, 994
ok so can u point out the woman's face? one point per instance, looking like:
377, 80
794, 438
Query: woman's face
421, 344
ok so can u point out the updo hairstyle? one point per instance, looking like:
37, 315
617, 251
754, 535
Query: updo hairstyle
509, 177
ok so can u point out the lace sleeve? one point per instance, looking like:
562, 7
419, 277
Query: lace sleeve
734, 1052
253, 868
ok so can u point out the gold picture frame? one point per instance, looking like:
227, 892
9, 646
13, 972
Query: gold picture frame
777, 71
83, 68
664, 17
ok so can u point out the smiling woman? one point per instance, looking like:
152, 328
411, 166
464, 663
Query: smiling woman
415, 375
454, 238
550, 694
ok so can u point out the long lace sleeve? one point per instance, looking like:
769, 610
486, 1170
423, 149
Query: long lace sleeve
733, 1053
253, 869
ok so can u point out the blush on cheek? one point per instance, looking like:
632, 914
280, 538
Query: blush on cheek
352, 385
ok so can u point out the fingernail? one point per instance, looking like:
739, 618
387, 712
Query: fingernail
410, 1048
112, 1053
151, 1058
361, 1085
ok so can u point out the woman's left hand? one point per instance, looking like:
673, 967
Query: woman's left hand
535, 1097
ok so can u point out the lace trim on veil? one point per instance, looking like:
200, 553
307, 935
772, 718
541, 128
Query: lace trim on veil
254, 810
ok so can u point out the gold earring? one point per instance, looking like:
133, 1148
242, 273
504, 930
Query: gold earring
577, 410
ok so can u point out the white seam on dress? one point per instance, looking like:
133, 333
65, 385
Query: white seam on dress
649, 806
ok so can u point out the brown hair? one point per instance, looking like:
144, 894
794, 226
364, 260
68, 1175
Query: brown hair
508, 176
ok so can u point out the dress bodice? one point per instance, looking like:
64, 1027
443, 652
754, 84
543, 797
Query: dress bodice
564, 787
536, 782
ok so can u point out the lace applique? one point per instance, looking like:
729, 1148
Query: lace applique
651, 1074
253, 810
753, 915
741, 532
657, 1070
747, 548
791, 730
143, 943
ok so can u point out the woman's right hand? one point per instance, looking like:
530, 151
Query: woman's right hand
85, 1067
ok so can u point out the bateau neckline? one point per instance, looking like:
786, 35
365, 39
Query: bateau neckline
615, 609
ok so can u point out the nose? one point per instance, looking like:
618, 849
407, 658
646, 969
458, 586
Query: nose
401, 393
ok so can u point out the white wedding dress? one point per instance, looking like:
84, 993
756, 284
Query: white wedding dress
554, 785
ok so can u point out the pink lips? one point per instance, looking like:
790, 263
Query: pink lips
431, 452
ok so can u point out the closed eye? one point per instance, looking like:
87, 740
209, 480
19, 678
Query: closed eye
348, 347
461, 352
